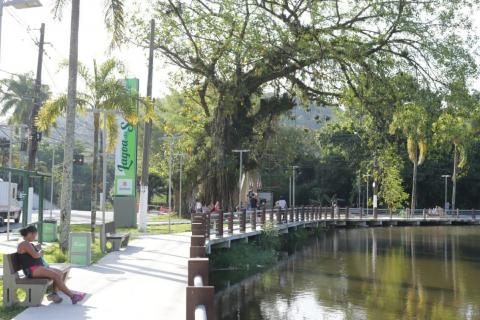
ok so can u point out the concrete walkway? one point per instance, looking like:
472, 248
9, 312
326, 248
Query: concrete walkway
146, 281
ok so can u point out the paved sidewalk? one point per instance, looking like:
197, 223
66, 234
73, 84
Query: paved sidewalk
146, 281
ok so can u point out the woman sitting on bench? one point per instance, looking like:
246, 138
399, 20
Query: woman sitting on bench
33, 265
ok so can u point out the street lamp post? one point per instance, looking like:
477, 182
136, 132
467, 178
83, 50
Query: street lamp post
17, 4
368, 181
294, 171
446, 176
241, 152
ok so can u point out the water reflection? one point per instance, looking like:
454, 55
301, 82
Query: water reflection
381, 273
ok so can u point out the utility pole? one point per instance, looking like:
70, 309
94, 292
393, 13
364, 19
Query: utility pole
34, 137
446, 176
147, 137
9, 203
241, 152
294, 171
181, 155
51, 183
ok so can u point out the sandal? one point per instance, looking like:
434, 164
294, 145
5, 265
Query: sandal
55, 298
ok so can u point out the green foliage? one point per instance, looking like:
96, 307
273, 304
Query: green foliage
412, 121
242, 256
103, 91
391, 191
450, 130
229, 54
16, 96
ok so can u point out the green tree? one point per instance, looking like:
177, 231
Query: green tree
454, 131
412, 121
231, 52
103, 92
391, 191
16, 97
114, 18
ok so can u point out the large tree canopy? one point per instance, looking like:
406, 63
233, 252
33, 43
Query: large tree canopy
231, 52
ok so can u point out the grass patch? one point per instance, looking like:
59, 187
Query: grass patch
164, 217
243, 256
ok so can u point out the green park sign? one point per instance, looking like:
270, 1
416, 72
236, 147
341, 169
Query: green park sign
126, 151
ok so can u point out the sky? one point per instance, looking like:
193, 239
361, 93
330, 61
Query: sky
19, 52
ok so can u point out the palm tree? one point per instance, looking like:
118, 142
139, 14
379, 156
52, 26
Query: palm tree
16, 97
113, 19
103, 92
454, 131
411, 121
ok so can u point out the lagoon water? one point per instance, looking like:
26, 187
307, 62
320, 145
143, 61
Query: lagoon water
377, 273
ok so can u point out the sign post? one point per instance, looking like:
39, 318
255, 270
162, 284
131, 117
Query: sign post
126, 167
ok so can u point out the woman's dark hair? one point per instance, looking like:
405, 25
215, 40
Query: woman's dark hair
30, 229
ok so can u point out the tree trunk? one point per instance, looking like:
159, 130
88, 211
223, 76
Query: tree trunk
219, 174
66, 197
454, 175
94, 186
414, 184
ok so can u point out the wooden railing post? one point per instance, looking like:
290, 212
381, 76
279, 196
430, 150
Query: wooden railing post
291, 214
243, 220
253, 219
473, 214
302, 216
458, 213
347, 213
230, 222
424, 213
220, 224
271, 215
264, 217
332, 215
279, 215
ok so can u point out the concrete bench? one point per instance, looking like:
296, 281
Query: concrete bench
118, 240
34, 289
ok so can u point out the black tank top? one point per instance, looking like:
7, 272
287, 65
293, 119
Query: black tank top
27, 261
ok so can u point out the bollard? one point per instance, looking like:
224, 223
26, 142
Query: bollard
220, 224
264, 217
199, 294
424, 213
253, 219
473, 214
347, 213
230, 223
243, 220
458, 213
198, 229
361, 213
332, 213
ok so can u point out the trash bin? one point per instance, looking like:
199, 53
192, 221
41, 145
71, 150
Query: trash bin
50, 230
80, 246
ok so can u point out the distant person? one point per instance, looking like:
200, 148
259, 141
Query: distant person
198, 206
250, 196
254, 202
31, 259
282, 204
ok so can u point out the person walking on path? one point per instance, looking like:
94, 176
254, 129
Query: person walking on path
31, 259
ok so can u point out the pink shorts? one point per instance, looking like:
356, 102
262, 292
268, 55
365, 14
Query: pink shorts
33, 268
